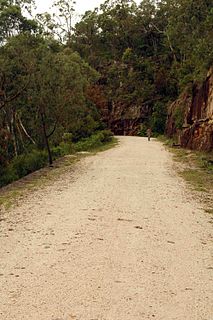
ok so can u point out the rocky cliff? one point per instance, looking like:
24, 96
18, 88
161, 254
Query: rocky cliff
120, 118
190, 118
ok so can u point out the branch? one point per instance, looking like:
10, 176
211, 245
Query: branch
25, 131
51, 133
163, 32
168, 38
18, 93
7, 100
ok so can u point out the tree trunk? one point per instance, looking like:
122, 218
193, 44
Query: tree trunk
13, 134
20, 134
46, 138
25, 131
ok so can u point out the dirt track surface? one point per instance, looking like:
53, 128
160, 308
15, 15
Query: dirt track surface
118, 239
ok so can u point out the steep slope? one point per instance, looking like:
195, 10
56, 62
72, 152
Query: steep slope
190, 118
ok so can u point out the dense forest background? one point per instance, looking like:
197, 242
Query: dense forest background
118, 68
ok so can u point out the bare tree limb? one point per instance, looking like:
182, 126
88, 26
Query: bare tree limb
24, 130
168, 38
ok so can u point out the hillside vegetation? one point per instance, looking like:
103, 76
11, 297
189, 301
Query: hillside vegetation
118, 68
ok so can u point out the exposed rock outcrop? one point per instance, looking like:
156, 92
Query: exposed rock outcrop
190, 118
122, 119
126, 120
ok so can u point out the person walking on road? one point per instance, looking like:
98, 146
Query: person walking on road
149, 132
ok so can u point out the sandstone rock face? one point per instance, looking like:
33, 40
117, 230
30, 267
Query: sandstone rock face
126, 120
122, 119
190, 118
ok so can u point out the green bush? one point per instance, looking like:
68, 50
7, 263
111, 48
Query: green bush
37, 159
23, 165
143, 130
179, 118
89, 143
67, 137
28, 163
57, 152
63, 149
84, 127
158, 119
95, 141
107, 135
7, 176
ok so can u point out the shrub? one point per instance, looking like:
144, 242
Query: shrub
28, 163
158, 119
63, 149
57, 152
67, 137
95, 141
143, 130
37, 159
179, 118
7, 176
23, 165
107, 135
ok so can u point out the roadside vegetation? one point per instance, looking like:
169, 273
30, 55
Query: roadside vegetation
196, 168
65, 161
45, 110
62, 86
29, 162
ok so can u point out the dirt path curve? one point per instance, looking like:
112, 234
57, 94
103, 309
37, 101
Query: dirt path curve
120, 239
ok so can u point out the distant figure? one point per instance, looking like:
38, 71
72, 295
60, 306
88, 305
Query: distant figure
149, 132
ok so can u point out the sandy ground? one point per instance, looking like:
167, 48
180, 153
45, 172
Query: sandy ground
119, 239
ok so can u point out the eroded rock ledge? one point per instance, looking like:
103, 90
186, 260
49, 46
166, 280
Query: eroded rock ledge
190, 118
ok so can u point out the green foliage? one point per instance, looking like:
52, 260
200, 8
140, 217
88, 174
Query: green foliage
143, 130
179, 117
205, 160
35, 159
28, 163
158, 118
63, 149
147, 53
12, 19
137, 57
4, 140
107, 136
95, 141
23, 165
85, 126
8, 175
44, 90
190, 31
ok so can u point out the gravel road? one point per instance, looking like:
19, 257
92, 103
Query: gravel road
118, 238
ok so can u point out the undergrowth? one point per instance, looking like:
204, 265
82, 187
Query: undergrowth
196, 168
36, 159
39, 179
